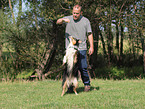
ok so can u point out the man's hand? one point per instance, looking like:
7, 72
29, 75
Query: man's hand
61, 20
91, 50
66, 20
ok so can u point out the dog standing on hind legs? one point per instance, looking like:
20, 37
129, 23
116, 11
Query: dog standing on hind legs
71, 72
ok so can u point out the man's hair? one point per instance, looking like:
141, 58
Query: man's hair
77, 7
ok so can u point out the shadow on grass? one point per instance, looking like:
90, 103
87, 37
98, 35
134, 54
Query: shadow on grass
81, 89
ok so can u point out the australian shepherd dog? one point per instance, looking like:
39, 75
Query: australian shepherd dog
70, 60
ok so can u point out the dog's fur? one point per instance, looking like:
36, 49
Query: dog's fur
70, 60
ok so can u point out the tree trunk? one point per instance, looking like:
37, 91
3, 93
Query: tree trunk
96, 39
110, 45
110, 36
1, 45
47, 60
35, 13
143, 50
50, 61
121, 46
92, 59
19, 13
117, 37
103, 44
10, 5
121, 42
143, 47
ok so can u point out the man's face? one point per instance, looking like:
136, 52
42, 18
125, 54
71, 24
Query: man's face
76, 13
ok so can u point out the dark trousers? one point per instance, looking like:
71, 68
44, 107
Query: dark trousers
82, 62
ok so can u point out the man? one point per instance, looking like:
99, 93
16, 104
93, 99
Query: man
79, 27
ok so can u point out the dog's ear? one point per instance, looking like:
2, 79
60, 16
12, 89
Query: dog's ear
76, 42
73, 40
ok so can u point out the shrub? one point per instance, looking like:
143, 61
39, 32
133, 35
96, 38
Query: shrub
119, 73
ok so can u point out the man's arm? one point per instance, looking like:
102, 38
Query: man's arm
61, 20
91, 41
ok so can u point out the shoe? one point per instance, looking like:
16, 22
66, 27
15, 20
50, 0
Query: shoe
87, 89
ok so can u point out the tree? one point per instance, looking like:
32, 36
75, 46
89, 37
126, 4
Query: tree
38, 44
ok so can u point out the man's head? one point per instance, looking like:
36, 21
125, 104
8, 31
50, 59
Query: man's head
77, 12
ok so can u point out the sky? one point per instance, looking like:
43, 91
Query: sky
24, 8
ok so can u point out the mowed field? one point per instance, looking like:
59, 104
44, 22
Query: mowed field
104, 94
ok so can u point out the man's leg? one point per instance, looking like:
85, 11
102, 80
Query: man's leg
83, 69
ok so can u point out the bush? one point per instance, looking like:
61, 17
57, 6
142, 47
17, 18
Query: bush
119, 73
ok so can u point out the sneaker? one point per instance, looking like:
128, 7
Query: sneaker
87, 89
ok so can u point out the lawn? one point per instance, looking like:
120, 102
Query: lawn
104, 94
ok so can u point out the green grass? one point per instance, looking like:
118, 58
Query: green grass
104, 94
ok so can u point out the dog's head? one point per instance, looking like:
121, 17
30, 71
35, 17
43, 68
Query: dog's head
74, 41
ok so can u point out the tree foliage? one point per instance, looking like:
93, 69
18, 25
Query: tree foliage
31, 40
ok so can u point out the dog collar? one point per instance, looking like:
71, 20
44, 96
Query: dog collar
73, 47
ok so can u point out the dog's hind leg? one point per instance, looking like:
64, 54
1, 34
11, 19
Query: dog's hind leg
75, 83
63, 88
75, 90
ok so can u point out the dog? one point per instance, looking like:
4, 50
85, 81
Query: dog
71, 61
